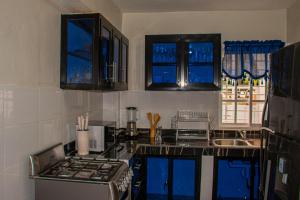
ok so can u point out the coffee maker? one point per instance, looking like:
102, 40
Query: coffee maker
131, 121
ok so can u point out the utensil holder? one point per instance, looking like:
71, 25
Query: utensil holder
82, 139
152, 132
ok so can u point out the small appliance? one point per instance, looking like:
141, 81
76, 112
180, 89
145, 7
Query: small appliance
131, 121
102, 135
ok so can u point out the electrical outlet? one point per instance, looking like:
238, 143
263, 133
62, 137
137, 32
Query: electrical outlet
284, 178
282, 166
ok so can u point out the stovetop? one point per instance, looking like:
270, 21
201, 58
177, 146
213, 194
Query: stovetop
83, 169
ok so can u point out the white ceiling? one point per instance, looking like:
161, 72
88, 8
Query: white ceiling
200, 5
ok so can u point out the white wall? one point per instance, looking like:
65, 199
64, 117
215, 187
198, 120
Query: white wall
233, 25
293, 23
34, 112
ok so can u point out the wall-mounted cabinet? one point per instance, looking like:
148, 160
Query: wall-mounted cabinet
183, 62
94, 54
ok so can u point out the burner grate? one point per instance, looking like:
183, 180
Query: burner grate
96, 170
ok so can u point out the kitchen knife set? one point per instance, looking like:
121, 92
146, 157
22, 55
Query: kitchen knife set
83, 122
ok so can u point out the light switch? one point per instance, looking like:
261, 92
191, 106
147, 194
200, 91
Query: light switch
284, 178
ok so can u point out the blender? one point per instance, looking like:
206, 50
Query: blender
131, 121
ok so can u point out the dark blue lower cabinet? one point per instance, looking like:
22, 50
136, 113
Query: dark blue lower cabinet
157, 178
171, 178
184, 179
236, 179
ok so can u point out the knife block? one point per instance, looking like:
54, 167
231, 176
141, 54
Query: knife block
82, 140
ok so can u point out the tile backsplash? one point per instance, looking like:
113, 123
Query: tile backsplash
34, 112
31, 119
167, 103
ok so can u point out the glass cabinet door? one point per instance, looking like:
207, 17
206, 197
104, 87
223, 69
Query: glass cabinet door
200, 63
79, 58
124, 65
80, 50
105, 54
164, 64
114, 73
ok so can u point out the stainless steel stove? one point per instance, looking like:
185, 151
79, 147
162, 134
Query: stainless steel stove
61, 178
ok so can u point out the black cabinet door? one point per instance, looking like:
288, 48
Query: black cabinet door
119, 60
183, 62
123, 72
162, 60
79, 51
114, 62
106, 70
202, 62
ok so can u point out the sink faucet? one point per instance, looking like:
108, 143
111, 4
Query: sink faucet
243, 134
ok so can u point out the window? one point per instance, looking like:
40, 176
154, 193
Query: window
243, 100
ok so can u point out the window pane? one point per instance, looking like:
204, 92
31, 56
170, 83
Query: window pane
164, 53
243, 89
164, 74
228, 90
259, 89
257, 109
242, 112
228, 112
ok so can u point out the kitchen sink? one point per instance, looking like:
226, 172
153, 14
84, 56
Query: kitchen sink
236, 143
230, 142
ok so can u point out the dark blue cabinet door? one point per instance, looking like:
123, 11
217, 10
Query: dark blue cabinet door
80, 50
234, 179
164, 63
157, 177
200, 65
184, 179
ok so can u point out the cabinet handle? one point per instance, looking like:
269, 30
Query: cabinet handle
165, 185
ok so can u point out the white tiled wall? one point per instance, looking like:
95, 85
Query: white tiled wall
167, 103
34, 112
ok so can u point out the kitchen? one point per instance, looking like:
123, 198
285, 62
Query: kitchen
35, 113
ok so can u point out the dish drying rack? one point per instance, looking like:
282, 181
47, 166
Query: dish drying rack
192, 125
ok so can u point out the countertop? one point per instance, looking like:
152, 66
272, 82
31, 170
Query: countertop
187, 148
143, 146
